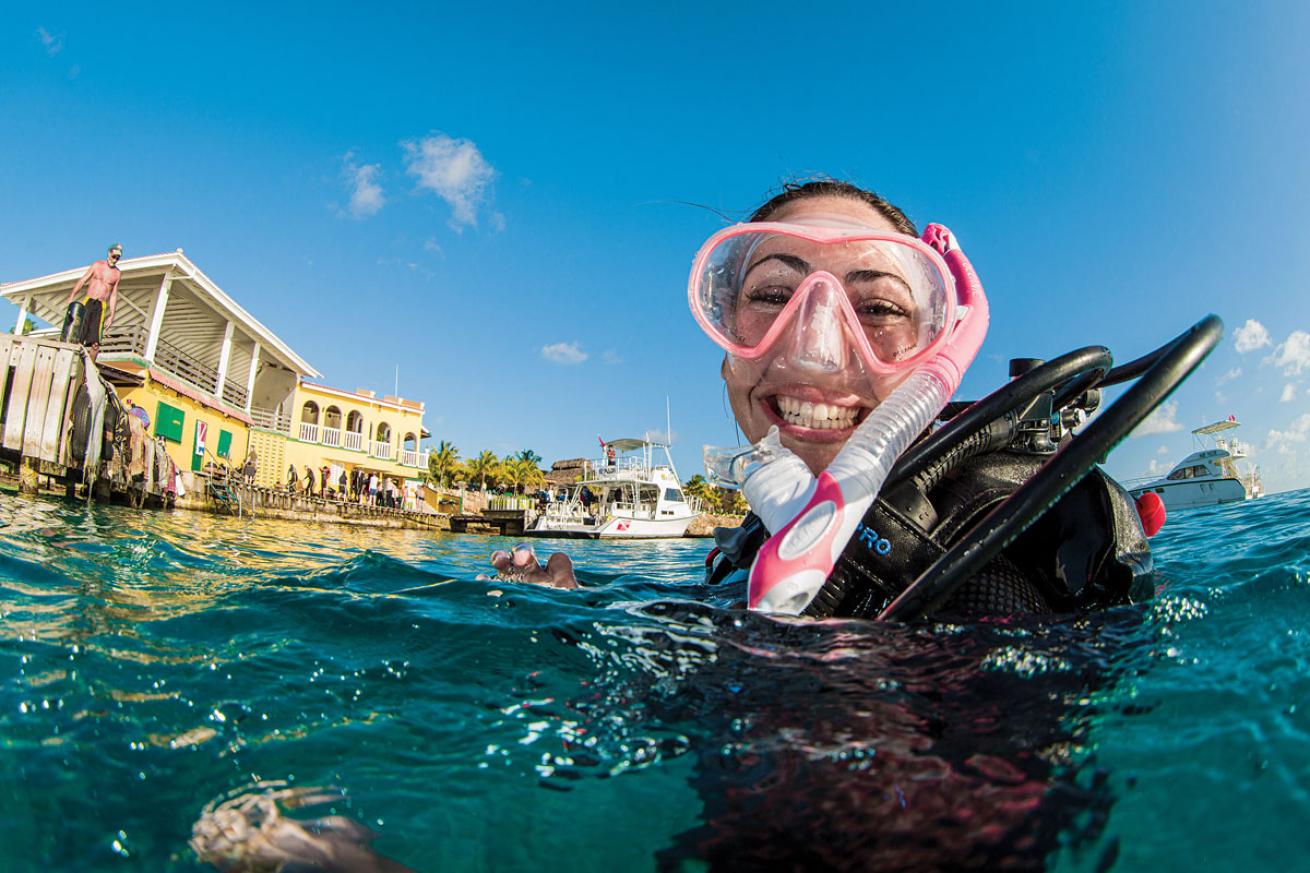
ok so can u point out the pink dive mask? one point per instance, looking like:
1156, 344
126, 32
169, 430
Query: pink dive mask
828, 296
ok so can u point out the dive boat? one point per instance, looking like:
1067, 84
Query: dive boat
1208, 476
625, 494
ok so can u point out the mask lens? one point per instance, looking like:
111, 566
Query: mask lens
897, 293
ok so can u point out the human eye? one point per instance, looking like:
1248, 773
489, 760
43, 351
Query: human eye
879, 310
769, 294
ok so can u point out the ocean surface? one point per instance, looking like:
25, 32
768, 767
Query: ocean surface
166, 674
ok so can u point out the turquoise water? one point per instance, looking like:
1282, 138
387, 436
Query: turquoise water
155, 664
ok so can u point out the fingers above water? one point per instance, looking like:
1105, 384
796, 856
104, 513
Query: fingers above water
521, 566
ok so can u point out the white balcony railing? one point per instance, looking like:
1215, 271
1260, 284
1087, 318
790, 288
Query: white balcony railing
308, 432
331, 436
354, 440
381, 450
408, 458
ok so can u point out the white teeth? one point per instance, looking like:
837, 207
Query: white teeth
821, 416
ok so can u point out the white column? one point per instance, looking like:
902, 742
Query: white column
22, 316
224, 358
250, 380
157, 316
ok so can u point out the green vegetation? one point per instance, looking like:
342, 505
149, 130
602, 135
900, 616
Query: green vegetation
722, 501
443, 463
520, 473
483, 469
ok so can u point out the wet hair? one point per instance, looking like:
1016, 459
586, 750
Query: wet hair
793, 191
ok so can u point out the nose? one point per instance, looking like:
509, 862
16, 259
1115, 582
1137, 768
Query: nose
818, 341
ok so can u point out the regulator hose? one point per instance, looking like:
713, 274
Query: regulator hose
1006, 399
1161, 372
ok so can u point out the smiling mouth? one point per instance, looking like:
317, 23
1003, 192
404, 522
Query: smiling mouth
816, 416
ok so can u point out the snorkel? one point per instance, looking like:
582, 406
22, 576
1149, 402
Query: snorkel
813, 519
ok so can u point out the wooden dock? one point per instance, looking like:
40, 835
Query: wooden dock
46, 422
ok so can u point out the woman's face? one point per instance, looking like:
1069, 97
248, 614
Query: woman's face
816, 411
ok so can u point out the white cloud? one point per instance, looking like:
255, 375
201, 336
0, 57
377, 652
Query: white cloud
455, 171
564, 353
1289, 392
1155, 468
1229, 376
1292, 354
1161, 420
1163, 450
1282, 440
54, 43
611, 357
361, 180
1251, 336
431, 245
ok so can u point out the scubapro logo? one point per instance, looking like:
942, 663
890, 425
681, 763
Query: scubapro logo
871, 540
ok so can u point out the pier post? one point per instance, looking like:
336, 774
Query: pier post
28, 476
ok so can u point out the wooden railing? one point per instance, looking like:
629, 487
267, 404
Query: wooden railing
234, 394
270, 419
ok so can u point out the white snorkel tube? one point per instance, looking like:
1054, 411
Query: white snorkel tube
812, 520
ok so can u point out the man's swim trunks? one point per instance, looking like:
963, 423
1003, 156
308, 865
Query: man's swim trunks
92, 321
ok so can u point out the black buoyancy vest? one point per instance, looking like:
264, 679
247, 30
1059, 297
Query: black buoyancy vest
1087, 551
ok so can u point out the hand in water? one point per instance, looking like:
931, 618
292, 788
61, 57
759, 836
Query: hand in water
521, 566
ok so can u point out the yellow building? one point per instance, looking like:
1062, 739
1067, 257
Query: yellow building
217, 384
344, 430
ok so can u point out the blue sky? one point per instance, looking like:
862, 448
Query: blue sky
495, 202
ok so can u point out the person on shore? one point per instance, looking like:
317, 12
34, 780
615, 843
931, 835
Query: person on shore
309, 481
373, 489
100, 299
292, 479
251, 466
325, 481
343, 482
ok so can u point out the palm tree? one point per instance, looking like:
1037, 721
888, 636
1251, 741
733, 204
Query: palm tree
530, 456
521, 473
443, 462
703, 491
485, 466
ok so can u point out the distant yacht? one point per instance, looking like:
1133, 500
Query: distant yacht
626, 494
1208, 476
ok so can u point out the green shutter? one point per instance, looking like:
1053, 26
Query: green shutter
225, 444
168, 422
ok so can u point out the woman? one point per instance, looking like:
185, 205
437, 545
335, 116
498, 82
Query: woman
845, 334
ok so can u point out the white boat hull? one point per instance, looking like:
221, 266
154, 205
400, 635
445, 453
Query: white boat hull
1195, 493
614, 528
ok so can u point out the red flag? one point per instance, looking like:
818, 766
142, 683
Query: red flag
602, 442
1232, 418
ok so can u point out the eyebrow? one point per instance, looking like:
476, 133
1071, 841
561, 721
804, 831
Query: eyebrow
800, 265
874, 275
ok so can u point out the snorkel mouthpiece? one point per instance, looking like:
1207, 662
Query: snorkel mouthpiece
794, 564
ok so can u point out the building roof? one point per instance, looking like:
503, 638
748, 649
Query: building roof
196, 303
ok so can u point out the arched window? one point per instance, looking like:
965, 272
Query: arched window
332, 417
309, 412
384, 433
410, 443
355, 422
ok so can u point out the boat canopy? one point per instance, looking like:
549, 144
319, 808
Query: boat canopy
1217, 427
632, 445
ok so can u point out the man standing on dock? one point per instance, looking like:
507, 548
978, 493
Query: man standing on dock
100, 300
